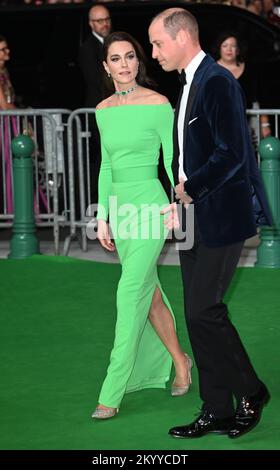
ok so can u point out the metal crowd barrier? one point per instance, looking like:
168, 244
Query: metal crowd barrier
47, 129
255, 121
79, 134
63, 163
80, 153
257, 113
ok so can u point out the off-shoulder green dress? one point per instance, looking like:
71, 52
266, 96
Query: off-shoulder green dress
131, 194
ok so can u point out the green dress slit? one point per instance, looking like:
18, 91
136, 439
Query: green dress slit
131, 193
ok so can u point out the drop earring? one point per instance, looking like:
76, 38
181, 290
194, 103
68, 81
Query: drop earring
109, 75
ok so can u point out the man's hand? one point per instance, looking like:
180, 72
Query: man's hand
172, 221
181, 195
103, 235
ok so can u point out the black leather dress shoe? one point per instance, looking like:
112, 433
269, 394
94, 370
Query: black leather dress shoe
204, 424
248, 412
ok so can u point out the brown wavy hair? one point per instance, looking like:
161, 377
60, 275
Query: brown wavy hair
142, 78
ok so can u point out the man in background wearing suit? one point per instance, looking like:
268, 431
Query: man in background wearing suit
90, 58
214, 169
90, 61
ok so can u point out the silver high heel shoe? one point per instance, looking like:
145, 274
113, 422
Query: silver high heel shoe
101, 413
182, 390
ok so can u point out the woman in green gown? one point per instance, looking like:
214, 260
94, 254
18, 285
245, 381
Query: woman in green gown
134, 123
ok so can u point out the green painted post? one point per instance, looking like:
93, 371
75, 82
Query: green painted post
24, 242
268, 252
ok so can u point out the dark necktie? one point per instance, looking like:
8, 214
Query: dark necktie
182, 77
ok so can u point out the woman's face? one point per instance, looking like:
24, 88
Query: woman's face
122, 62
4, 52
229, 50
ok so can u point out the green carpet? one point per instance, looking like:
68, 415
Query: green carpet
56, 332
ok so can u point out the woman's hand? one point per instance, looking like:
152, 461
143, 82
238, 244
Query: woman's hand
171, 222
103, 235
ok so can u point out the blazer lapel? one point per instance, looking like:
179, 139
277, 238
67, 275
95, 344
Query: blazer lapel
191, 97
197, 79
175, 161
207, 62
97, 47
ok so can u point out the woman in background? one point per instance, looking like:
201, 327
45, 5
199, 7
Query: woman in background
7, 95
229, 53
7, 100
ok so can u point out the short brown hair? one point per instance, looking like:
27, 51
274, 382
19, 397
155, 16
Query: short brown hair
175, 19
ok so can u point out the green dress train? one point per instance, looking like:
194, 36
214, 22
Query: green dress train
131, 137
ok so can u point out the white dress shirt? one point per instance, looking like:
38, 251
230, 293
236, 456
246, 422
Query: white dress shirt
100, 38
190, 71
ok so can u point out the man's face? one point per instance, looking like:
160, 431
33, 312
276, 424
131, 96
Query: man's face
267, 5
100, 21
4, 52
166, 50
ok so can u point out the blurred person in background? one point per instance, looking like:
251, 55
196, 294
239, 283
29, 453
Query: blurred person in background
7, 95
268, 12
90, 57
90, 61
255, 6
229, 52
7, 102
238, 3
9, 128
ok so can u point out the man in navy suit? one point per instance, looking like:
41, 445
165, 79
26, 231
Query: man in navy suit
214, 169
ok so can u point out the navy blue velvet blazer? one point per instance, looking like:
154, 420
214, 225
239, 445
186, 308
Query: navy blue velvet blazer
223, 177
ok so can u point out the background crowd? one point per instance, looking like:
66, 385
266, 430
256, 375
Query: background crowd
268, 9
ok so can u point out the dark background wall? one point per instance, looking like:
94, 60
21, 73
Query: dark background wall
45, 41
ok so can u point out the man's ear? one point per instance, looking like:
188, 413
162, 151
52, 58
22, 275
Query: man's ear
182, 37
